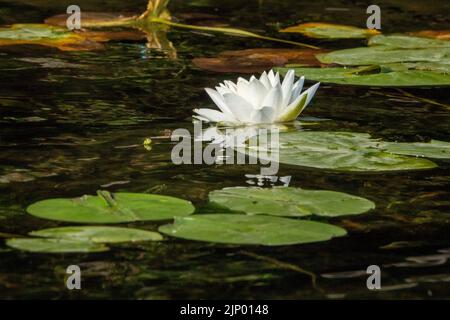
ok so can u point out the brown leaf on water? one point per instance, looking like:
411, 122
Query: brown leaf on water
94, 19
257, 60
435, 34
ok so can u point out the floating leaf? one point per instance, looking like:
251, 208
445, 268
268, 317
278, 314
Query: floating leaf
111, 208
384, 78
407, 42
42, 34
345, 151
245, 229
434, 149
378, 55
330, 31
284, 201
55, 245
98, 234
95, 19
257, 60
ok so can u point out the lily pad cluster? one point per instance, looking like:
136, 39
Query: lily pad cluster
351, 151
256, 216
104, 208
248, 216
388, 60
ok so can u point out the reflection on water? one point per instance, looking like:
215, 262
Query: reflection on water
71, 123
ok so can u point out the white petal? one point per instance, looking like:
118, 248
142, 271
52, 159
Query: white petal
263, 115
274, 78
288, 82
242, 86
311, 92
218, 100
211, 115
292, 111
273, 98
240, 108
231, 85
296, 89
222, 89
255, 93
265, 81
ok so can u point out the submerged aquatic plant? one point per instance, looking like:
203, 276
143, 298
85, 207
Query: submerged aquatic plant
258, 101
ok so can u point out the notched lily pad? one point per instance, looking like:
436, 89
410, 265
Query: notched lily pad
99, 234
287, 201
330, 31
250, 230
112, 208
55, 245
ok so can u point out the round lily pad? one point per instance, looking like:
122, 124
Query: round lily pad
99, 234
253, 230
286, 201
55, 245
112, 208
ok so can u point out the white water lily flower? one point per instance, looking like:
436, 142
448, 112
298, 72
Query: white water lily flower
258, 101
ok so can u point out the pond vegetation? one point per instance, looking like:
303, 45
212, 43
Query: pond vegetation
86, 175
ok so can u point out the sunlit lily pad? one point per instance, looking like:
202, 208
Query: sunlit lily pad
95, 19
383, 77
99, 234
55, 245
378, 55
246, 229
407, 42
282, 201
42, 34
111, 208
330, 31
344, 151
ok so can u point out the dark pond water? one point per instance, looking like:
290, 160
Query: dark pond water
72, 122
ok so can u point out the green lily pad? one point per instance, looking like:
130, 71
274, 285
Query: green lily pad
55, 245
434, 149
296, 202
246, 229
99, 234
330, 31
404, 41
377, 55
112, 208
384, 78
344, 151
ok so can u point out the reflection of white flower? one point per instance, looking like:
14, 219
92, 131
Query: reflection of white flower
254, 101
233, 137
